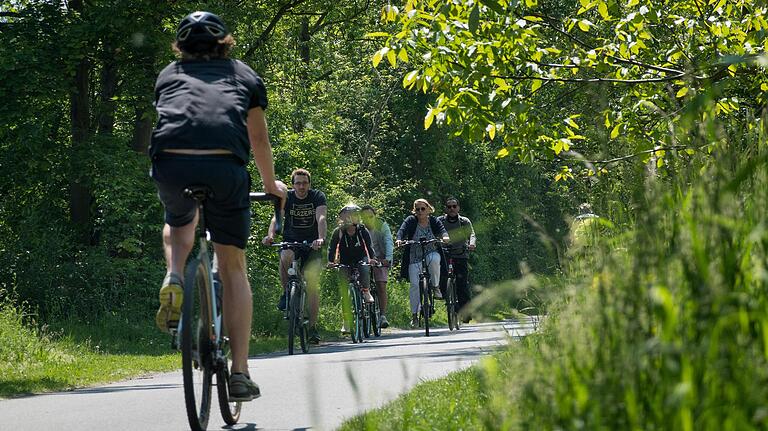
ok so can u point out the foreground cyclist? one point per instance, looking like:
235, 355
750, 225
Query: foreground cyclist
210, 112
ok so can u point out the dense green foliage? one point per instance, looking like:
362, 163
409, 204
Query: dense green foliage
80, 224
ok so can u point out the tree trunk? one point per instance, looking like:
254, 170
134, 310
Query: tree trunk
80, 195
142, 130
107, 105
303, 48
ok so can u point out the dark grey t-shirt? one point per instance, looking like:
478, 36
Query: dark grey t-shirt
203, 104
301, 216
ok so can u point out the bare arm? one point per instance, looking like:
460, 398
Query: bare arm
322, 226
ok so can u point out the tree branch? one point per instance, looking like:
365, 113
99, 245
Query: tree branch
264, 36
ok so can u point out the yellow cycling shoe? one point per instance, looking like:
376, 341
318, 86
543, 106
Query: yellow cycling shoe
171, 298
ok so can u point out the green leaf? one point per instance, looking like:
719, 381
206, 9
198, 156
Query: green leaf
584, 25
615, 131
536, 85
764, 86
377, 57
474, 19
403, 55
429, 118
377, 34
531, 3
392, 58
571, 123
410, 78
603, 9
494, 6
502, 153
682, 92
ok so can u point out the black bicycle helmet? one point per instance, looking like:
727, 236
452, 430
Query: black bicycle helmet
200, 27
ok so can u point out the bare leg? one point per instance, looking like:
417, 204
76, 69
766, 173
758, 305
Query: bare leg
286, 259
237, 303
177, 244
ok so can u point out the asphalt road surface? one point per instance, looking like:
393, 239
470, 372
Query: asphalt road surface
318, 390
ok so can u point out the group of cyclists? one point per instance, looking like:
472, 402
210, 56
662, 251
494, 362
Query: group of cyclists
211, 118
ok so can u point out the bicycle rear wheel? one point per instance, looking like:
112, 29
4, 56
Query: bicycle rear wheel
426, 309
230, 411
293, 314
196, 351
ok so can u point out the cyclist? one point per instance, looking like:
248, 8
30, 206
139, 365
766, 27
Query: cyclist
462, 242
421, 224
351, 245
210, 111
305, 220
381, 238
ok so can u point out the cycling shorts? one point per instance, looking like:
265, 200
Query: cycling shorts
227, 211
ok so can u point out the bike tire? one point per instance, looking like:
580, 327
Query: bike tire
293, 318
366, 309
303, 324
230, 411
357, 316
450, 304
425, 305
376, 316
196, 357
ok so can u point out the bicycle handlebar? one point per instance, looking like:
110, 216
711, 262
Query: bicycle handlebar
287, 244
420, 241
263, 197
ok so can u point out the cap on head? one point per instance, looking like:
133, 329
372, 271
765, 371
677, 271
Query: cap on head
200, 27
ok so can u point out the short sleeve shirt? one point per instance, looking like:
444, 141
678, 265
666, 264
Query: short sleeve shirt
204, 104
301, 216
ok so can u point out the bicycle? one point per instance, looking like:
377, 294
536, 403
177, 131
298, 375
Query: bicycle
296, 298
359, 312
200, 331
451, 298
426, 294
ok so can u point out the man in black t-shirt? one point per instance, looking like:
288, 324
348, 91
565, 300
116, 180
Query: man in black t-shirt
305, 220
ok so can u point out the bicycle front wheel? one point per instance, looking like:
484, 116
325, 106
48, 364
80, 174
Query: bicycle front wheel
196, 351
450, 304
357, 314
303, 324
375, 314
426, 309
293, 314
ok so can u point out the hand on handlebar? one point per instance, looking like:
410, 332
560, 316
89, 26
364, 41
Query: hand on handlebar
316, 244
268, 240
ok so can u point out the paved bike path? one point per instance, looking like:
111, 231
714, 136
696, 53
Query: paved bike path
316, 390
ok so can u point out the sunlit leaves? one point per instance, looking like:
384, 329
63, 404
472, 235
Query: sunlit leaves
658, 59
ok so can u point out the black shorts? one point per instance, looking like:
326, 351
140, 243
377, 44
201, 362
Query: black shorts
227, 212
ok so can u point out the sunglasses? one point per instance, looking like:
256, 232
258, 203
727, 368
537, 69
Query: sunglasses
421, 208
451, 206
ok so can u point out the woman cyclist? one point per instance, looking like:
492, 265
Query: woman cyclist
351, 245
421, 224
